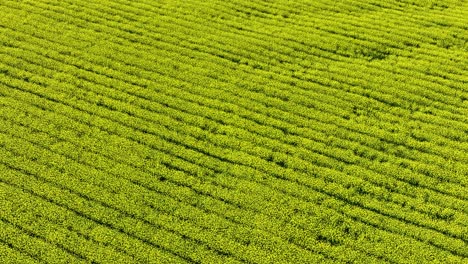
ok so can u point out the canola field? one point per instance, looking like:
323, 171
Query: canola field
209, 131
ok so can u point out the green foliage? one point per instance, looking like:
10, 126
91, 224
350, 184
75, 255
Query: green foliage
228, 132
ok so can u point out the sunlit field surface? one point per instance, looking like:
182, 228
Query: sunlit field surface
210, 131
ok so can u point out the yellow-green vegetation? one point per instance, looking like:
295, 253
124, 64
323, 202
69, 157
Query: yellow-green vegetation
210, 131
